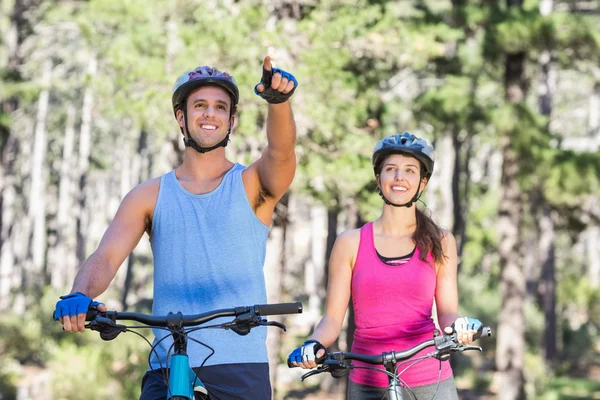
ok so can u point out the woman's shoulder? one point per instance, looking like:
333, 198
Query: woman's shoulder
447, 238
349, 238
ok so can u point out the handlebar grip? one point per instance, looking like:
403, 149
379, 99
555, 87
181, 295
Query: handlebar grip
484, 331
92, 311
279, 309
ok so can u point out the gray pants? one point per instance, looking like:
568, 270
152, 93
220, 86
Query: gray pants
446, 391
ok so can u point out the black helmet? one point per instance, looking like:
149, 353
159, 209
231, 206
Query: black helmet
203, 76
405, 143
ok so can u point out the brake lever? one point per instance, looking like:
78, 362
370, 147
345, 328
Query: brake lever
317, 371
108, 328
462, 348
279, 325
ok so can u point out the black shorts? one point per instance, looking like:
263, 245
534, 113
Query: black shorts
223, 382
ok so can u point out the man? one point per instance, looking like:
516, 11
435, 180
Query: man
208, 223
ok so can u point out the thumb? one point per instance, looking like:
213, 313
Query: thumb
448, 330
260, 87
320, 353
102, 307
267, 63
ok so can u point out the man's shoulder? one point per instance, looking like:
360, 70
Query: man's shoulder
150, 186
145, 193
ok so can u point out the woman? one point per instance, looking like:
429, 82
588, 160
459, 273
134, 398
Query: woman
393, 267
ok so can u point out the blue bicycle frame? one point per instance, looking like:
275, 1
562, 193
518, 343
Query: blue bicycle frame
182, 379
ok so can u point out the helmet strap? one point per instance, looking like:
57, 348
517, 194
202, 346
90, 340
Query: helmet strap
409, 204
189, 142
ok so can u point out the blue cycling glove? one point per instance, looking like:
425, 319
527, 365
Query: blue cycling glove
273, 96
307, 352
72, 304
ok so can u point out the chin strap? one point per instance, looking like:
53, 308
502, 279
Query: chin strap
192, 143
410, 203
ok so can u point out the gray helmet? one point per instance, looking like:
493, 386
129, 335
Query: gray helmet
408, 144
203, 76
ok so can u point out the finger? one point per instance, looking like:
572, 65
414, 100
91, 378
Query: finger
448, 330
74, 323
267, 63
320, 353
290, 86
312, 364
282, 84
81, 322
67, 324
260, 88
276, 80
102, 307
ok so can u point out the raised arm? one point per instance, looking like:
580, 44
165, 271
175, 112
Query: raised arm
267, 179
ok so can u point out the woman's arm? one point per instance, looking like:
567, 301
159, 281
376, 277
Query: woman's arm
341, 263
446, 294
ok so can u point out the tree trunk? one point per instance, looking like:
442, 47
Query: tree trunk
37, 194
460, 189
274, 270
547, 284
591, 240
511, 330
83, 164
547, 256
511, 326
594, 113
439, 192
61, 258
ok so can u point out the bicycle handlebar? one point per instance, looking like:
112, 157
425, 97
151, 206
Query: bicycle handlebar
444, 342
197, 319
444, 345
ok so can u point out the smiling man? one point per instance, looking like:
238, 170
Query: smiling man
208, 223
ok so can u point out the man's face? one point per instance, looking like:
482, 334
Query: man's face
208, 113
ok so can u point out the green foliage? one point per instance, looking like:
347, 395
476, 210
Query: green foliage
573, 176
565, 388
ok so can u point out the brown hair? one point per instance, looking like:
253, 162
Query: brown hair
428, 237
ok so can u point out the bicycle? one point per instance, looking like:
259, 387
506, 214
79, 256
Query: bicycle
182, 382
335, 363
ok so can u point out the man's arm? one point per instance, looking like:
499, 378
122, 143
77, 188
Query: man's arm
119, 240
268, 178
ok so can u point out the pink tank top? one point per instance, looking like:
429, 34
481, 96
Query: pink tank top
392, 311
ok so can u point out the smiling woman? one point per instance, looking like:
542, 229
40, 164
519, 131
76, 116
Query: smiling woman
401, 261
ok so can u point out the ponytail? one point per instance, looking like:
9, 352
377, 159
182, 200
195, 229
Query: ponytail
428, 237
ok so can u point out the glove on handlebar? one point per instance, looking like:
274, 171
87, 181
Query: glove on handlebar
71, 304
466, 323
307, 352
271, 95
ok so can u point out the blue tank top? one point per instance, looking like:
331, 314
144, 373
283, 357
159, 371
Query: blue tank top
209, 251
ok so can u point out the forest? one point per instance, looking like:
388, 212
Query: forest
508, 92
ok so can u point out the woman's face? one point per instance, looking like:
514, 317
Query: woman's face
400, 177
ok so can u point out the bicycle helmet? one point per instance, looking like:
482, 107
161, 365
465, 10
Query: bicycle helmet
192, 80
406, 144
203, 76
